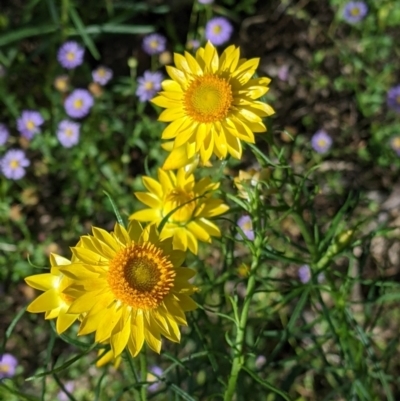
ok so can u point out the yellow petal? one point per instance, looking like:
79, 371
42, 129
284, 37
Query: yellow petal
171, 86
57, 260
136, 339
171, 114
198, 231
193, 64
180, 239
64, 321
176, 159
165, 102
134, 230
42, 282
146, 215
149, 199
46, 301
152, 336
111, 317
153, 186
120, 334
177, 76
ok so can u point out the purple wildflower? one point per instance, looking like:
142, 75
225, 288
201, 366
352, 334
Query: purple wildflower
206, 1
393, 98
304, 274
152, 376
13, 164
70, 55
29, 122
355, 11
321, 142
4, 134
68, 133
8, 364
246, 226
102, 75
283, 72
154, 43
148, 85
61, 395
218, 30
193, 44
78, 103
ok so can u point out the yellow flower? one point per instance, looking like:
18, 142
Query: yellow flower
211, 104
189, 223
246, 180
53, 301
133, 288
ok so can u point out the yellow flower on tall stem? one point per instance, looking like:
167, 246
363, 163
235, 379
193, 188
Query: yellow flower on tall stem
211, 104
133, 288
53, 302
188, 205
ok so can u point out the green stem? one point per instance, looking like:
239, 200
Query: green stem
238, 360
143, 373
308, 238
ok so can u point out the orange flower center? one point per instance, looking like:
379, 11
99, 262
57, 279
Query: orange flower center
183, 202
141, 276
208, 98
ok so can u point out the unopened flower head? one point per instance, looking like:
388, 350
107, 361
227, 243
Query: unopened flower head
53, 302
250, 180
4, 134
395, 144
130, 288
393, 98
13, 164
246, 225
78, 103
321, 142
188, 204
8, 364
149, 85
61, 83
68, 133
70, 55
154, 43
355, 11
211, 105
28, 124
218, 30
102, 75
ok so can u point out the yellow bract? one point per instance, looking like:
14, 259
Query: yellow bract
132, 288
54, 302
211, 104
188, 205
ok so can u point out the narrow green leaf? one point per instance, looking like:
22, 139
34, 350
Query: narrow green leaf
76, 19
19, 34
116, 212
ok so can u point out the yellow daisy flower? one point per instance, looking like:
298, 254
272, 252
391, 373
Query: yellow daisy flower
53, 301
133, 288
188, 205
211, 104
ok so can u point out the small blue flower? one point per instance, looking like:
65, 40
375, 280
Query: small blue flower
355, 11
